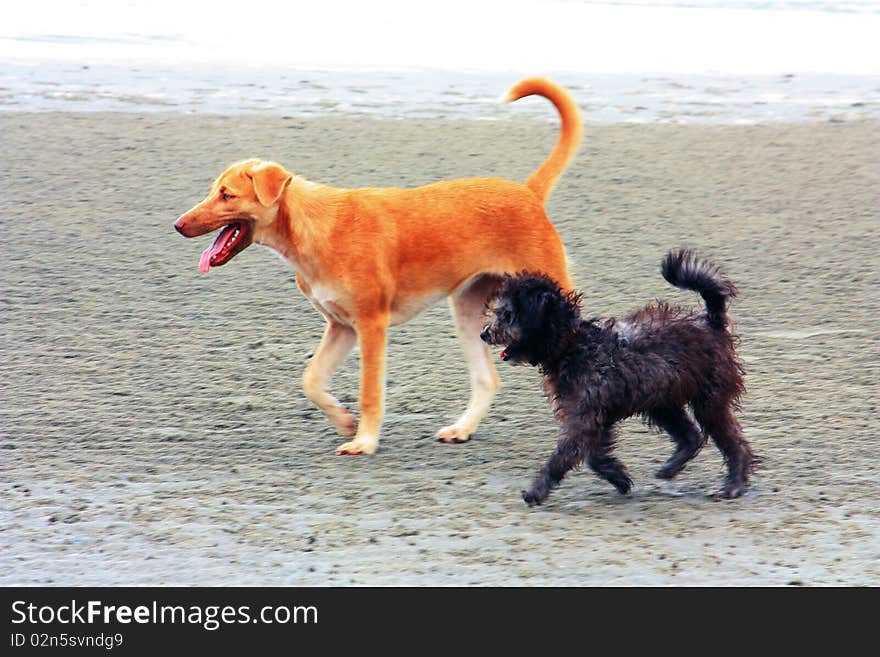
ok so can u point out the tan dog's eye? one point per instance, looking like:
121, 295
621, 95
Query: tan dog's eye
226, 196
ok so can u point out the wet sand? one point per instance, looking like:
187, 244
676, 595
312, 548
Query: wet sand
154, 432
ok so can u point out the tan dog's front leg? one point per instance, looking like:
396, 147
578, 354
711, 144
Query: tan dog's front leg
336, 343
371, 336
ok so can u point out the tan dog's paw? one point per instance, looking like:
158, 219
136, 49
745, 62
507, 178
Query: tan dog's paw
453, 434
360, 445
343, 421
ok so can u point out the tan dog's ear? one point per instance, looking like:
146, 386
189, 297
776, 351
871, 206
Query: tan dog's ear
269, 181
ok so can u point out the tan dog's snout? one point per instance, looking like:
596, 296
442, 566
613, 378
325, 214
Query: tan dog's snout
184, 226
194, 222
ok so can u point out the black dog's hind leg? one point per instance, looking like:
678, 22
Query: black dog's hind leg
607, 466
718, 420
689, 440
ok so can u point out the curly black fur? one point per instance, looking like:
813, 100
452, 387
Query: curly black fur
655, 362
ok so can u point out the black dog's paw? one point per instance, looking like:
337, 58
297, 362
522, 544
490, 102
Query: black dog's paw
731, 490
667, 472
622, 484
532, 498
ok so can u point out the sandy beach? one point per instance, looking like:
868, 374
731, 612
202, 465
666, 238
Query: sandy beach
153, 430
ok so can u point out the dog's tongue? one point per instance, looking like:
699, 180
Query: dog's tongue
503, 354
219, 242
205, 260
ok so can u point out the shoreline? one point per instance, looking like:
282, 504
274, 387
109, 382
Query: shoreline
546, 115
638, 98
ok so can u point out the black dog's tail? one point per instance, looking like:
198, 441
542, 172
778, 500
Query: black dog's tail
684, 269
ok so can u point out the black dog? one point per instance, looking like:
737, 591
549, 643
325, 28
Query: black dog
654, 363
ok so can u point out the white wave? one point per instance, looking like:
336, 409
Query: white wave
525, 36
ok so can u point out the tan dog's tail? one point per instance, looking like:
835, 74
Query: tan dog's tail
542, 181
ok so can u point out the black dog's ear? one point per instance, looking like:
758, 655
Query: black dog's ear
554, 313
544, 304
538, 318
537, 312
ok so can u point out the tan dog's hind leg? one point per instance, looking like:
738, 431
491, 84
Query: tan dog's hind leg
336, 343
372, 334
468, 306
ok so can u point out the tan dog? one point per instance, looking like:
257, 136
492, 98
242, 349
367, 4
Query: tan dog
373, 258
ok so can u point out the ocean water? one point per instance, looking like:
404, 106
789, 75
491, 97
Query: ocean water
706, 61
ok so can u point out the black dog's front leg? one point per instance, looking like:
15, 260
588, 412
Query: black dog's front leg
569, 454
